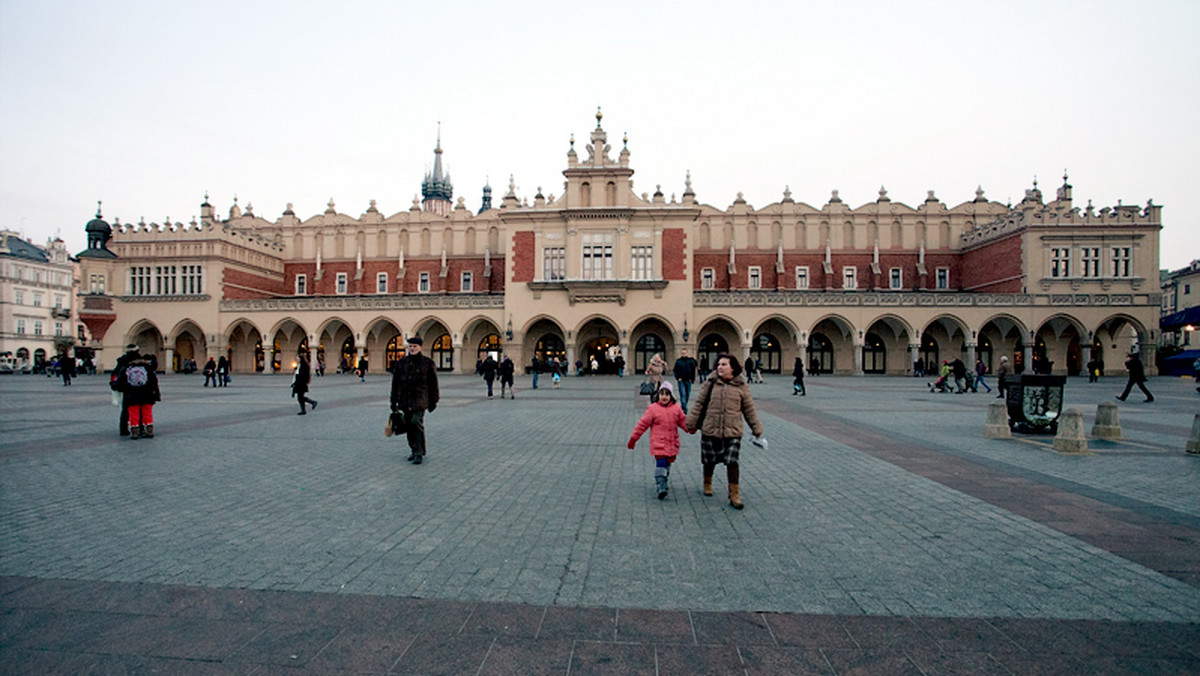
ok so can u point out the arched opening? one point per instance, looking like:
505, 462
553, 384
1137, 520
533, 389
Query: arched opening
766, 349
442, 353
930, 353
549, 347
707, 350
983, 352
820, 354
394, 351
348, 355
647, 346
874, 354
39, 360
603, 351
490, 345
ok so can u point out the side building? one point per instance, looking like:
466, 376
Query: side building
38, 292
600, 270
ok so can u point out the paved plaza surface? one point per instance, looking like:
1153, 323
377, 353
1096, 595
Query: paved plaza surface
882, 534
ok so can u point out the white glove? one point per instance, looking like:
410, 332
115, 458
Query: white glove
761, 442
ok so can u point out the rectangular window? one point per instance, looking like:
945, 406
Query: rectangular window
423, 283
191, 280
37, 328
58, 301
643, 262
58, 328
1060, 262
1120, 261
139, 280
301, 285
468, 281
341, 283
801, 277
897, 279
1089, 261
754, 279
21, 327
96, 283
707, 277
554, 263
164, 280
381, 283
849, 277
598, 256
943, 278
37, 300
19, 297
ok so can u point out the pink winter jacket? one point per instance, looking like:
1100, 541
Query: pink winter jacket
662, 421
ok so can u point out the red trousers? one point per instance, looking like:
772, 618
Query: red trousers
141, 414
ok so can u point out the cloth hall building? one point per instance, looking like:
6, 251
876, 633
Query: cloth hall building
598, 270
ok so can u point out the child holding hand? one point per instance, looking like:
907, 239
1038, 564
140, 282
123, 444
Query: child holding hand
663, 417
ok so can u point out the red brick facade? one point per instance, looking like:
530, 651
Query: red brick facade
674, 262
996, 267
239, 285
523, 256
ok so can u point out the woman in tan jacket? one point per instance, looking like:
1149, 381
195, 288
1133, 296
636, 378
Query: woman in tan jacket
654, 374
723, 402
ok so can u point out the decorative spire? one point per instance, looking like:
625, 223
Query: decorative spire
883, 196
437, 192
599, 116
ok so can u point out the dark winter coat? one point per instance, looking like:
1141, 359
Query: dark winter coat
488, 368
414, 384
303, 378
685, 370
138, 382
1137, 372
506, 370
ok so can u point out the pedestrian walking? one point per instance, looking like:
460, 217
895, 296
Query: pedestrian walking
414, 391
664, 418
223, 371
362, 369
66, 365
980, 371
1137, 376
138, 382
685, 374
210, 372
507, 367
1002, 374
798, 378
488, 370
301, 380
535, 367
724, 401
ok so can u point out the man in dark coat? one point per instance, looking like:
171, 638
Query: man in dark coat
414, 391
798, 378
507, 368
301, 382
685, 374
1137, 376
66, 364
131, 353
488, 371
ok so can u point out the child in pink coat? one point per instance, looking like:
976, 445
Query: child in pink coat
663, 417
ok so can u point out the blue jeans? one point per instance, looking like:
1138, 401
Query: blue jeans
685, 391
535, 376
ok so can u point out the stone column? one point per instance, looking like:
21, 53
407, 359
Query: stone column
914, 353
1028, 358
1148, 354
802, 350
971, 357
858, 356
168, 365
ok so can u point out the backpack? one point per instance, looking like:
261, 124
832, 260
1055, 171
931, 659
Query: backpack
136, 376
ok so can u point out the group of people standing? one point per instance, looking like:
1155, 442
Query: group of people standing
489, 368
216, 371
135, 379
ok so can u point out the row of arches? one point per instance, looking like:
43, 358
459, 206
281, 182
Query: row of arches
889, 344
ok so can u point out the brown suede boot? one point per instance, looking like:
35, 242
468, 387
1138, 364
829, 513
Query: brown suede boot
135, 432
708, 485
149, 432
733, 497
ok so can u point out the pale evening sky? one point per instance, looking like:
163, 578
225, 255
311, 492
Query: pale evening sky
149, 105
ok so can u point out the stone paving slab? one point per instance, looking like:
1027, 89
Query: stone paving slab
533, 505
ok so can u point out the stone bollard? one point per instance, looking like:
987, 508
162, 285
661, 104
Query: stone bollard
1193, 444
996, 426
1107, 425
1070, 437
